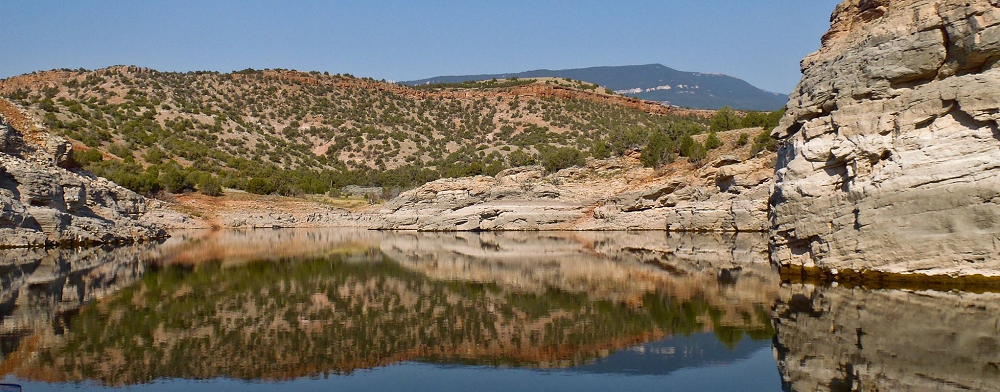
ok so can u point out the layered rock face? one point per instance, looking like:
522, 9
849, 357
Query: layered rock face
727, 194
891, 154
843, 339
46, 204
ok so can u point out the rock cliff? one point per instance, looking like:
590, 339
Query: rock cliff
891, 153
727, 194
46, 204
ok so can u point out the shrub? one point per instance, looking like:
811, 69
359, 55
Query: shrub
697, 154
743, 140
691, 149
712, 142
209, 185
520, 158
154, 156
763, 141
600, 150
261, 186
86, 157
174, 180
657, 151
766, 120
725, 119
561, 158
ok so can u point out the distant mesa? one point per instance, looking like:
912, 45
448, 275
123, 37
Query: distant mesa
653, 82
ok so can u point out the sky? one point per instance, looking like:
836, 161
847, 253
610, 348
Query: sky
760, 41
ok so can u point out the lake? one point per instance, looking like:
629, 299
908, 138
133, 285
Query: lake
344, 309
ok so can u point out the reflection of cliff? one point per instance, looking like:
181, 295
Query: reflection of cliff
729, 270
40, 286
840, 339
241, 246
358, 309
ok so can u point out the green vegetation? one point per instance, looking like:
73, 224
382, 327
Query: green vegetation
295, 133
766, 120
658, 150
485, 84
601, 150
712, 141
725, 119
763, 141
561, 158
209, 185
692, 149
743, 140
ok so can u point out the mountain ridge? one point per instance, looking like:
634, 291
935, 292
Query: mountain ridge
653, 82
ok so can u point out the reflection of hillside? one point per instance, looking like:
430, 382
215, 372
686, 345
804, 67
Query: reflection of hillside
671, 354
358, 309
842, 339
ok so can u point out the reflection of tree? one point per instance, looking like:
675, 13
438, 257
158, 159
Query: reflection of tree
277, 320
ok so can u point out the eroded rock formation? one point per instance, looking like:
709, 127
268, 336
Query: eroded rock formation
844, 339
45, 204
727, 194
891, 154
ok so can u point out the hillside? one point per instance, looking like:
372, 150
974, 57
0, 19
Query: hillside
653, 82
289, 132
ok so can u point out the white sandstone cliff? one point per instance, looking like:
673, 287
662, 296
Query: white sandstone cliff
891, 153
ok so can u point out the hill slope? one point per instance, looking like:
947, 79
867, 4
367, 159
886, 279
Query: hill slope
653, 82
294, 132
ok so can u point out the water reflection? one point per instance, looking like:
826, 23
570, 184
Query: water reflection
359, 309
42, 288
280, 305
852, 339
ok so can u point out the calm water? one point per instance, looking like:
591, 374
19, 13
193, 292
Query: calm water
361, 310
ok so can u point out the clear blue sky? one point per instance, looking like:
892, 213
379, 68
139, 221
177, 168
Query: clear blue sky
760, 41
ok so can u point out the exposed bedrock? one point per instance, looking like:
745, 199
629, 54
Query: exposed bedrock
729, 193
891, 153
44, 203
844, 339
